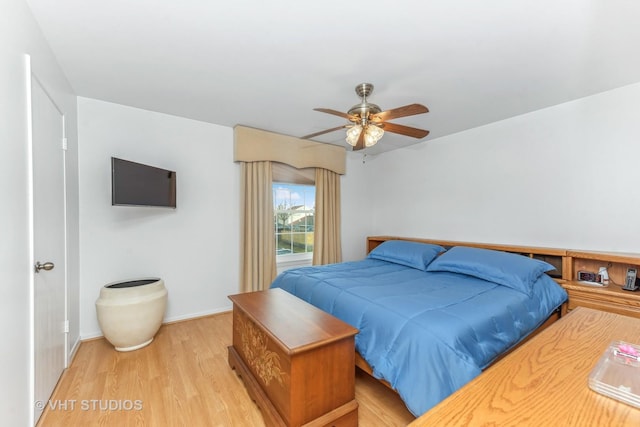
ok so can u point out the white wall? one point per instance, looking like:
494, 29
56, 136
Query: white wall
20, 35
356, 207
566, 176
195, 247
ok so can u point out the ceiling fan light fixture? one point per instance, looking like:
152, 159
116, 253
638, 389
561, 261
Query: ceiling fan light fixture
372, 135
368, 118
353, 133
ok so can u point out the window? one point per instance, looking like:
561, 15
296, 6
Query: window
293, 218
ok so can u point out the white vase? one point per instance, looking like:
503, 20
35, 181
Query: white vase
131, 312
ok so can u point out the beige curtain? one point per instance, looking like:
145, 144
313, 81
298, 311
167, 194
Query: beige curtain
327, 245
258, 248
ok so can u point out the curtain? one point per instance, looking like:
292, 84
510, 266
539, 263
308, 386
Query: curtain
258, 248
327, 244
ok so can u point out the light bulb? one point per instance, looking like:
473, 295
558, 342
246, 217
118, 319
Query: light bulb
372, 135
353, 133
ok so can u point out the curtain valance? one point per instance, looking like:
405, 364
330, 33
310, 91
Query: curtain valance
254, 145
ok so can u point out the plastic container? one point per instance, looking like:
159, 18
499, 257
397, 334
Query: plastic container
617, 373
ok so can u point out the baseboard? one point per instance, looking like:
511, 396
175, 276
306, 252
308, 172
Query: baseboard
91, 336
192, 316
167, 320
74, 351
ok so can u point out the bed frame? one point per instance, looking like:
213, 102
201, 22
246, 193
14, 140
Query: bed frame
556, 257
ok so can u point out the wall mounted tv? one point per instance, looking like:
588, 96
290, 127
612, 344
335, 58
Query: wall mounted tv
135, 184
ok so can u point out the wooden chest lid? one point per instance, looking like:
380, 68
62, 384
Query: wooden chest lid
294, 324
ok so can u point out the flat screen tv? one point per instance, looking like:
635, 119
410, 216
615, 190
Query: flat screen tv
135, 184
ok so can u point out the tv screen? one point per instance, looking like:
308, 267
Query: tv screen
135, 184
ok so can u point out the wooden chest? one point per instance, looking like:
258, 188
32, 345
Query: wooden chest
296, 361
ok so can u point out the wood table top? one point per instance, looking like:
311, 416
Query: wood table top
294, 324
546, 380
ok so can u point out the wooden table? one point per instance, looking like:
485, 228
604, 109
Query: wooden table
545, 381
296, 361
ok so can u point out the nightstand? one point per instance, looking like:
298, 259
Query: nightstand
610, 298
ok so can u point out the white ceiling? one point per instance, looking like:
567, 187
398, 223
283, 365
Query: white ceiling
267, 64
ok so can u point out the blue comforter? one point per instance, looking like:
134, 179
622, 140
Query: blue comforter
426, 333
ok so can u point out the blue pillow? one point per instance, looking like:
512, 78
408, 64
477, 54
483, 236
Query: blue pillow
412, 254
511, 270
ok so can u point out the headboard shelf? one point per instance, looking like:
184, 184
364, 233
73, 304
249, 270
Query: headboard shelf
616, 263
567, 262
553, 256
373, 241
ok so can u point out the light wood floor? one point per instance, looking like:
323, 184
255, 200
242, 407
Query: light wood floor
181, 379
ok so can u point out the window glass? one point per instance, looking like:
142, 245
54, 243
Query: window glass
293, 217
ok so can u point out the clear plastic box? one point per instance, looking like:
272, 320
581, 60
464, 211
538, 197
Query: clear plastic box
617, 373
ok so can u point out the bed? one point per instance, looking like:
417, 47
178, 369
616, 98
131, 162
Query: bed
431, 318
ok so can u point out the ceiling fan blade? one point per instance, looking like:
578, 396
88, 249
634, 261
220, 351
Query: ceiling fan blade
323, 132
405, 130
407, 110
335, 113
360, 144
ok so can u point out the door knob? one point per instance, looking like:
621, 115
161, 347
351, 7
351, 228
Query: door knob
46, 266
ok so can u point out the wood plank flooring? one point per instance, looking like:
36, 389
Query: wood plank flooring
181, 379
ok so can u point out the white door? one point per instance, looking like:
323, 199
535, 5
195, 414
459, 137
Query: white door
48, 244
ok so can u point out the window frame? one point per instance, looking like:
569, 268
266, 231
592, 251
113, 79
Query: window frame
288, 175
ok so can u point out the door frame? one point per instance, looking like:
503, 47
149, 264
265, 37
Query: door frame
29, 75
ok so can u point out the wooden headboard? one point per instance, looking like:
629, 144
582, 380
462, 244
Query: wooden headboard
566, 261
555, 257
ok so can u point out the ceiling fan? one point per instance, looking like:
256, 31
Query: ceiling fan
367, 123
